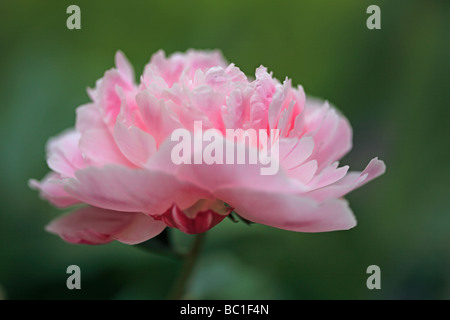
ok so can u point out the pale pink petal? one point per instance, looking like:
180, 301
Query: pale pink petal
108, 98
265, 86
350, 182
289, 211
52, 189
92, 225
336, 146
294, 151
99, 148
209, 102
331, 131
260, 99
329, 175
136, 145
105, 94
63, 154
314, 113
141, 228
233, 111
124, 66
203, 59
222, 79
97, 144
88, 117
132, 190
214, 176
158, 119
304, 172
285, 99
189, 114
171, 68
298, 127
235, 73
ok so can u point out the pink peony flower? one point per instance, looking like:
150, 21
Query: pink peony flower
117, 159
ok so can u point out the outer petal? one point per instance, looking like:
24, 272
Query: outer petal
132, 190
52, 189
64, 156
289, 211
97, 226
350, 182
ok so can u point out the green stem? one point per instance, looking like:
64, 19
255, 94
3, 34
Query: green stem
179, 288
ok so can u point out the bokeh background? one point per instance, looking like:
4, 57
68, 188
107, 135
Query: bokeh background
393, 84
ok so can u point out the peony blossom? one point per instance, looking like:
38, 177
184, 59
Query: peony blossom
117, 158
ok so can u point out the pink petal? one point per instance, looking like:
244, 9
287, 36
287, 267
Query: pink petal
285, 106
52, 188
108, 98
329, 175
215, 176
120, 188
63, 154
233, 111
331, 131
97, 143
171, 68
288, 211
350, 182
159, 120
98, 226
304, 172
294, 151
209, 102
136, 145
99, 148
200, 222
339, 143
105, 94
204, 59
124, 66
88, 117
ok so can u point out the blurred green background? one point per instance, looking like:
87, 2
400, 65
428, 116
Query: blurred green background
393, 84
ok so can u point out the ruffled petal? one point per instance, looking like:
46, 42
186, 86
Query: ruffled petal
350, 182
